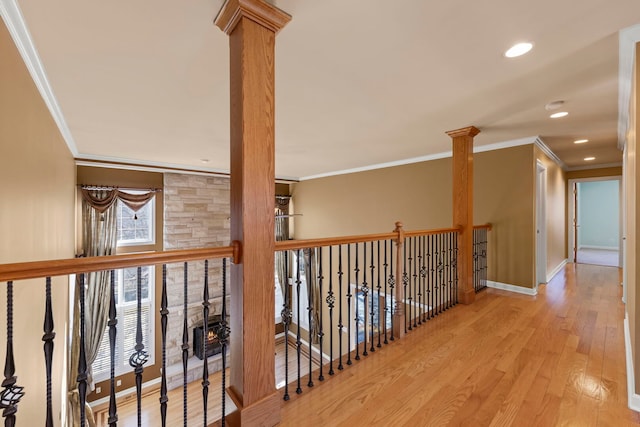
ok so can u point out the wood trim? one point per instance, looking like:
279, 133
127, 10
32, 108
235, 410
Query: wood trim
60, 267
332, 241
262, 13
487, 226
468, 131
416, 233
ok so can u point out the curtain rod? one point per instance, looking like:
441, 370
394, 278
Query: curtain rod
113, 187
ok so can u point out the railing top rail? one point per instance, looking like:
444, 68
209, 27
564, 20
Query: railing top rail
332, 241
416, 233
488, 226
38, 269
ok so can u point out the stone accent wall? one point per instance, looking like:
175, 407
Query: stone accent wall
196, 215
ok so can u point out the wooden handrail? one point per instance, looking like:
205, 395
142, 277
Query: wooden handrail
416, 233
488, 226
38, 269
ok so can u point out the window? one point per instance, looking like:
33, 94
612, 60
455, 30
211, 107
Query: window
134, 229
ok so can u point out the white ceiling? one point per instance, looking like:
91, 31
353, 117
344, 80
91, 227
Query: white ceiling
358, 82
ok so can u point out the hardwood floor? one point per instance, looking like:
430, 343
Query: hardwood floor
556, 359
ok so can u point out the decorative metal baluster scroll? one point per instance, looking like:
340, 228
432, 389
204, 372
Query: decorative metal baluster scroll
386, 308
82, 361
309, 274
205, 340
365, 296
140, 356
285, 314
392, 284
223, 332
185, 344
331, 300
112, 323
11, 393
164, 318
340, 325
298, 318
48, 337
371, 298
349, 295
357, 311
320, 331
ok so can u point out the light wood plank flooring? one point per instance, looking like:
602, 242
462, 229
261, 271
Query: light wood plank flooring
556, 359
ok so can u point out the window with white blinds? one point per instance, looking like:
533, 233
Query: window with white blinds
134, 228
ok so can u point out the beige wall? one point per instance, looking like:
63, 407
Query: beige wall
632, 252
556, 212
594, 173
37, 189
504, 196
420, 196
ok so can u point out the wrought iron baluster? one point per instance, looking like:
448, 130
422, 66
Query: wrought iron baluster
405, 283
12, 393
286, 320
365, 295
441, 269
449, 275
112, 323
82, 360
372, 297
386, 308
140, 356
164, 318
423, 277
357, 305
223, 333
48, 337
298, 318
380, 311
434, 275
185, 343
205, 333
320, 332
455, 245
331, 300
309, 274
340, 325
392, 283
416, 284
349, 295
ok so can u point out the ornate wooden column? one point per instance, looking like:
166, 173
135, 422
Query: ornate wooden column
463, 208
252, 26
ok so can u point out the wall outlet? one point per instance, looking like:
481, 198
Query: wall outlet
118, 383
98, 390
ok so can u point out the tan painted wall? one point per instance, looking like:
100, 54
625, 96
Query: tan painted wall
37, 189
632, 252
556, 212
504, 196
420, 195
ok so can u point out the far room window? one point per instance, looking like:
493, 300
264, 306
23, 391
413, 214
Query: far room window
134, 229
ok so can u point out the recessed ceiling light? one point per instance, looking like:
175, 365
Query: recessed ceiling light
580, 141
588, 159
518, 50
558, 115
554, 105
204, 160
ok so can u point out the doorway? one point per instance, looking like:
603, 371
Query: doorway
594, 221
541, 223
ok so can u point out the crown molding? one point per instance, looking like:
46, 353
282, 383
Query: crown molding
13, 19
467, 131
627, 39
161, 167
546, 150
442, 155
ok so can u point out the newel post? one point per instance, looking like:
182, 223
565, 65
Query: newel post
398, 313
462, 140
252, 26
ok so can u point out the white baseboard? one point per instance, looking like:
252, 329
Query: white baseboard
556, 270
512, 288
634, 398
